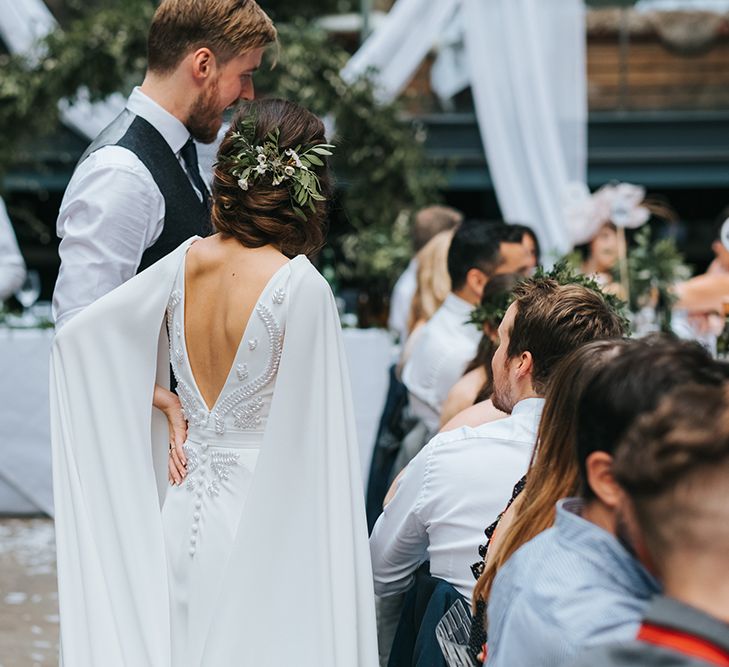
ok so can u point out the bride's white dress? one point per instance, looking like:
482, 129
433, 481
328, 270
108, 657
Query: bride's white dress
201, 517
260, 558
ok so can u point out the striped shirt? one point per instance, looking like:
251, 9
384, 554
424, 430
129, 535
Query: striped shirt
571, 587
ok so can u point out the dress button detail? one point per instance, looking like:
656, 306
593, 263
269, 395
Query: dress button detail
196, 516
198, 504
192, 551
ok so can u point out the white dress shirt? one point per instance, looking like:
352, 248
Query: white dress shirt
12, 266
438, 359
402, 300
455, 487
111, 212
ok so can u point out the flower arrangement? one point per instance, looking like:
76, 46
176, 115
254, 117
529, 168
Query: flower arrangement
293, 167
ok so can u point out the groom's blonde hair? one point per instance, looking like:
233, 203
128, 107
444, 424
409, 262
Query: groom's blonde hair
229, 28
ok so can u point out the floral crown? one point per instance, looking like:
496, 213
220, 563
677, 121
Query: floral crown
250, 162
493, 312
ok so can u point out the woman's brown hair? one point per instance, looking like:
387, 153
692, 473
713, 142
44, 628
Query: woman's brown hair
264, 214
498, 291
553, 471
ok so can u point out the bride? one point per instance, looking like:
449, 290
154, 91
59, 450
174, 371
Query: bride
255, 553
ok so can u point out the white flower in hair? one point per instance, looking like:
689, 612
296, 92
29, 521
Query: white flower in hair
250, 163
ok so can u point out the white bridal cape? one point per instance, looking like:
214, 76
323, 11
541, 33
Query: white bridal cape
297, 588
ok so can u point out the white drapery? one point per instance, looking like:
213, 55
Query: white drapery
526, 67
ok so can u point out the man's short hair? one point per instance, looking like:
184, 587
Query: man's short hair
552, 320
229, 28
632, 384
433, 220
475, 245
517, 232
674, 465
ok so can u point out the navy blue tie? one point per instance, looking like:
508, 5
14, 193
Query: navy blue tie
189, 157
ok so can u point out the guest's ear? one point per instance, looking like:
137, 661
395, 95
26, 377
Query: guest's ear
601, 479
476, 281
526, 364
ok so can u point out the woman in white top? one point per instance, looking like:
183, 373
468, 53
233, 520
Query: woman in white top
256, 553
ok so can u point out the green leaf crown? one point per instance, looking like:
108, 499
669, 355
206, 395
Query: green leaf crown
250, 163
564, 274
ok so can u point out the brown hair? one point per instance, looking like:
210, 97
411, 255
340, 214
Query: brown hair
552, 320
674, 465
553, 471
264, 213
432, 220
498, 290
229, 28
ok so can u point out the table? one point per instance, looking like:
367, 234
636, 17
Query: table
25, 455
25, 452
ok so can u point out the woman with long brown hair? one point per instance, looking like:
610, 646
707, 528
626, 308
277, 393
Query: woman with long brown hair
552, 475
264, 463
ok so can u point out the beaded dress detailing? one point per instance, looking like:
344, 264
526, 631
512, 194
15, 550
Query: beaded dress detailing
241, 407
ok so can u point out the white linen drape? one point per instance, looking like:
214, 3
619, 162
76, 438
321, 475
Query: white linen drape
526, 65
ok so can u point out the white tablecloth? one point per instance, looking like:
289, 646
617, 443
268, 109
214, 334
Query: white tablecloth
25, 454
25, 457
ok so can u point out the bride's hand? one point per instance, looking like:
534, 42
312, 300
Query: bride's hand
169, 404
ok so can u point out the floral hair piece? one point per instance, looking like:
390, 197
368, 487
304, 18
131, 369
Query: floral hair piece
250, 163
493, 312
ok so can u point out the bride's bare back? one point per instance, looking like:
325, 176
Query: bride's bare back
223, 280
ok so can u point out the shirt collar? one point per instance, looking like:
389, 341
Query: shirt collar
601, 548
529, 405
671, 613
459, 306
171, 128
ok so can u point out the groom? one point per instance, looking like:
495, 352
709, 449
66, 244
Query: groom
137, 192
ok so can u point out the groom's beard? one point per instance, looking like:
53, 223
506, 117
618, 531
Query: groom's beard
206, 117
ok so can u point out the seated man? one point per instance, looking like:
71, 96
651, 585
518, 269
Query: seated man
578, 584
674, 466
462, 479
447, 343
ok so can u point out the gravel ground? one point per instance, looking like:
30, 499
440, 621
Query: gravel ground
28, 593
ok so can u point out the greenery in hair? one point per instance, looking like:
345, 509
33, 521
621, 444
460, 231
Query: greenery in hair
294, 167
562, 273
493, 311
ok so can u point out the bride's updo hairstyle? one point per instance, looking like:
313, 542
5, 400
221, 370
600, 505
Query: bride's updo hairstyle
264, 213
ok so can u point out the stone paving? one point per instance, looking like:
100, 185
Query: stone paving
28, 593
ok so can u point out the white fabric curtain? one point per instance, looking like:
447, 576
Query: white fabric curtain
397, 48
22, 24
528, 80
525, 60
